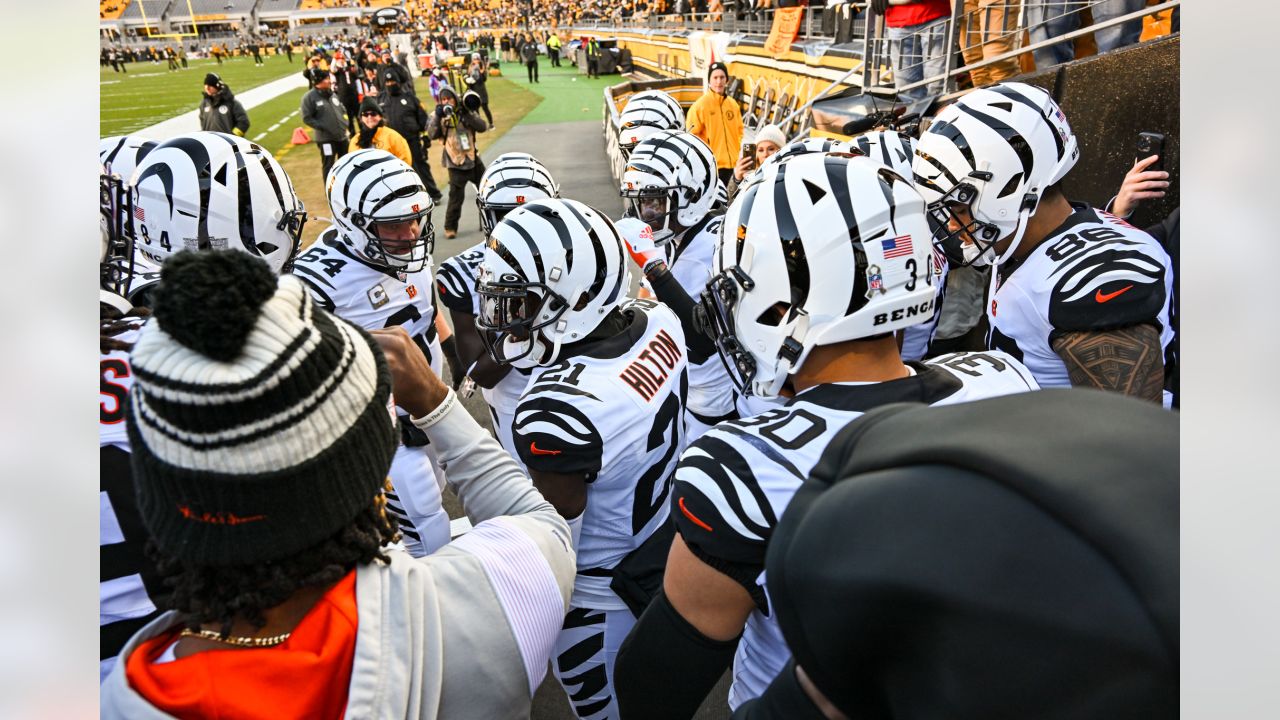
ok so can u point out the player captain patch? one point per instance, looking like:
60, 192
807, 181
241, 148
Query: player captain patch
377, 297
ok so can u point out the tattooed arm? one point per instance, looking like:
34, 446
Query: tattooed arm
1125, 360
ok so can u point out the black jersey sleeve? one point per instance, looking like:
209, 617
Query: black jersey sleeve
317, 286
551, 435
1111, 287
714, 487
455, 289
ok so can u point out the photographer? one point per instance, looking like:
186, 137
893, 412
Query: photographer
457, 126
477, 76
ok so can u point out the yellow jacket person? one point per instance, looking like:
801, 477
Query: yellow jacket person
717, 119
373, 134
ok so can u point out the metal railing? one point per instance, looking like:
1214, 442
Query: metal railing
919, 62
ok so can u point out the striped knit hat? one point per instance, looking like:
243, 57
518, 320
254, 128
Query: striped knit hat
259, 423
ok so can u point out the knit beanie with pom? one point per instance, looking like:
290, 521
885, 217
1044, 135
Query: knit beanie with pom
259, 424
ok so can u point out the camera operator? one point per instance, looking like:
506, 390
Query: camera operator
477, 76
404, 114
456, 125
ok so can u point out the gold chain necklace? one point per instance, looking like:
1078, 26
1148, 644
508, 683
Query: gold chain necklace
236, 640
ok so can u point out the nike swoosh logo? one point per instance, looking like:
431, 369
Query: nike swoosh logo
1104, 298
533, 447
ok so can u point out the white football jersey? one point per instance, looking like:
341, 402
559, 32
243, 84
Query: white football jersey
372, 297
1095, 272
127, 584
456, 283
614, 412
733, 483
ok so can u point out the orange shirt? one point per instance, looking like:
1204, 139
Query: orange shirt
305, 676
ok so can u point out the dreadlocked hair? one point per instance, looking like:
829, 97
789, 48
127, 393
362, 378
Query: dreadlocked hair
112, 322
211, 594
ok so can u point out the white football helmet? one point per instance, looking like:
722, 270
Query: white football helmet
381, 209
824, 248
809, 145
552, 271
644, 114
992, 153
890, 148
118, 157
670, 182
510, 181
209, 190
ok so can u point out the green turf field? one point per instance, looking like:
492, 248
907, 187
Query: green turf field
568, 94
150, 93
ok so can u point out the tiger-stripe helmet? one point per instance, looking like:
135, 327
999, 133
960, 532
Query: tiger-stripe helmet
992, 153
824, 248
511, 180
118, 157
646, 113
382, 209
890, 148
670, 182
209, 190
552, 271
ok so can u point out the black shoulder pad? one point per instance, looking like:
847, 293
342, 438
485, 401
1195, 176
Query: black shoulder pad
1112, 287
548, 437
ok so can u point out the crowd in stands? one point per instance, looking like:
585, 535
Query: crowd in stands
111, 9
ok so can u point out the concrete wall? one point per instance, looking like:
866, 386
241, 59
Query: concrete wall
1109, 99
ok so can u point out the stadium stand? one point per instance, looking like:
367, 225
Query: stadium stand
154, 9
211, 7
111, 9
277, 5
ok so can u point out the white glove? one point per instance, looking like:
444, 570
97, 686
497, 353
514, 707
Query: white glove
639, 239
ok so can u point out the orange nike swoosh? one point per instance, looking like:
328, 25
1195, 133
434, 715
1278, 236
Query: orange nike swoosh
1103, 298
692, 517
533, 447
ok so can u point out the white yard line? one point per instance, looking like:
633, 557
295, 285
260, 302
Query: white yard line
188, 122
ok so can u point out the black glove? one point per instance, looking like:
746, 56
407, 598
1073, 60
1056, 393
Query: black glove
879, 6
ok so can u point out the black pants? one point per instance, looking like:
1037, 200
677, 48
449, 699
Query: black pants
458, 180
554, 54
725, 174
592, 64
484, 105
327, 161
532, 65
421, 166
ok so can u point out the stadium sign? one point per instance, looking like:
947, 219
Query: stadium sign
387, 16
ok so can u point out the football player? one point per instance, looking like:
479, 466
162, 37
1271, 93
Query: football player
510, 181
162, 211
896, 151
1077, 294
646, 113
599, 426
820, 263
372, 268
669, 186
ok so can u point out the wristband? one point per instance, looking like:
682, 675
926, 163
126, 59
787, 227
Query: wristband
433, 417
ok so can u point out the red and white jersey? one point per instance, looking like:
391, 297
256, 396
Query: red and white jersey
114, 385
1094, 272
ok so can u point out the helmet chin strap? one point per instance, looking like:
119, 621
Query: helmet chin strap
1023, 215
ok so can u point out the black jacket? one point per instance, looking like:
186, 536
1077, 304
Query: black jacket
404, 114
222, 112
